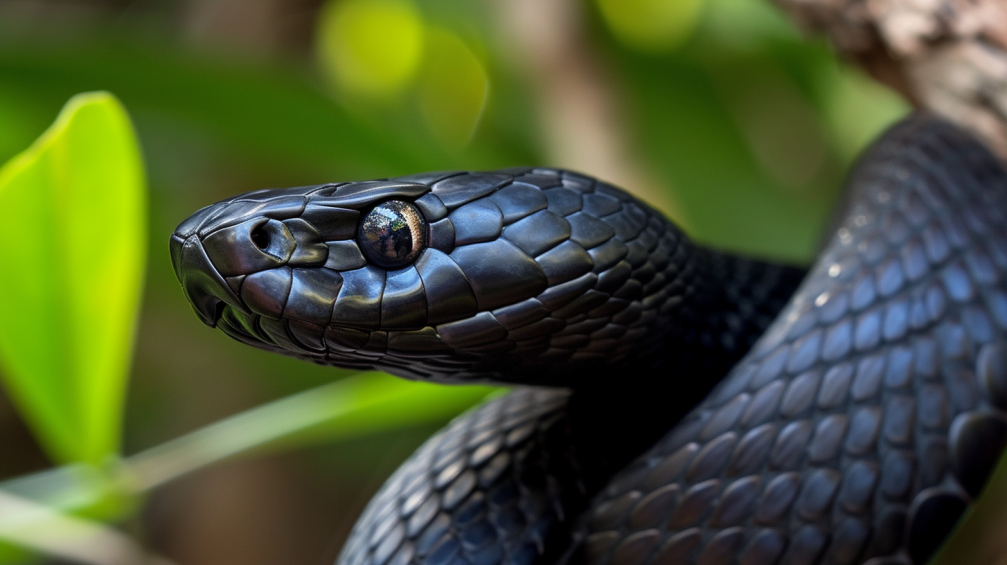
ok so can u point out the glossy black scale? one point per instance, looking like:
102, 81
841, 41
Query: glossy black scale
859, 427
874, 399
536, 276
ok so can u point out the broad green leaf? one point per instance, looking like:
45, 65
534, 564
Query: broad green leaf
370, 47
73, 218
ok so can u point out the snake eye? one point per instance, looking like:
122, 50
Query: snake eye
393, 234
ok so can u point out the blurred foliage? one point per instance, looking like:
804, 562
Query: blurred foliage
747, 127
358, 405
651, 25
69, 308
370, 48
453, 90
385, 55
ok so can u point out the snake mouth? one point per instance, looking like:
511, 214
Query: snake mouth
218, 305
218, 311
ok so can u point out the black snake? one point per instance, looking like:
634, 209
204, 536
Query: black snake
693, 414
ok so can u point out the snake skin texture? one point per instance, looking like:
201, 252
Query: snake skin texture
490, 488
702, 311
870, 414
542, 453
536, 276
857, 429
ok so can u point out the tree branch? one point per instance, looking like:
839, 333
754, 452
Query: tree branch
946, 56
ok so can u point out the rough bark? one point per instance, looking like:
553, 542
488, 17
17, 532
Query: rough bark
947, 56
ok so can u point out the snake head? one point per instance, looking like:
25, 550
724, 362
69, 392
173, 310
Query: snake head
440, 276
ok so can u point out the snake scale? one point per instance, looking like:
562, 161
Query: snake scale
686, 405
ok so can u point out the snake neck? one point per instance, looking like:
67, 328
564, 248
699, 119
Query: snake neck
726, 302
720, 305
730, 302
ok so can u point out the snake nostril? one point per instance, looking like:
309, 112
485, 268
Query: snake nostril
260, 238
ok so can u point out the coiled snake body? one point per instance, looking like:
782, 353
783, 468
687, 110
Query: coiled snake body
857, 429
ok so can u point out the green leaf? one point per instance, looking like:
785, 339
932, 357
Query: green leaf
73, 218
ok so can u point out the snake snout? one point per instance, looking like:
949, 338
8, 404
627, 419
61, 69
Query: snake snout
226, 258
205, 288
